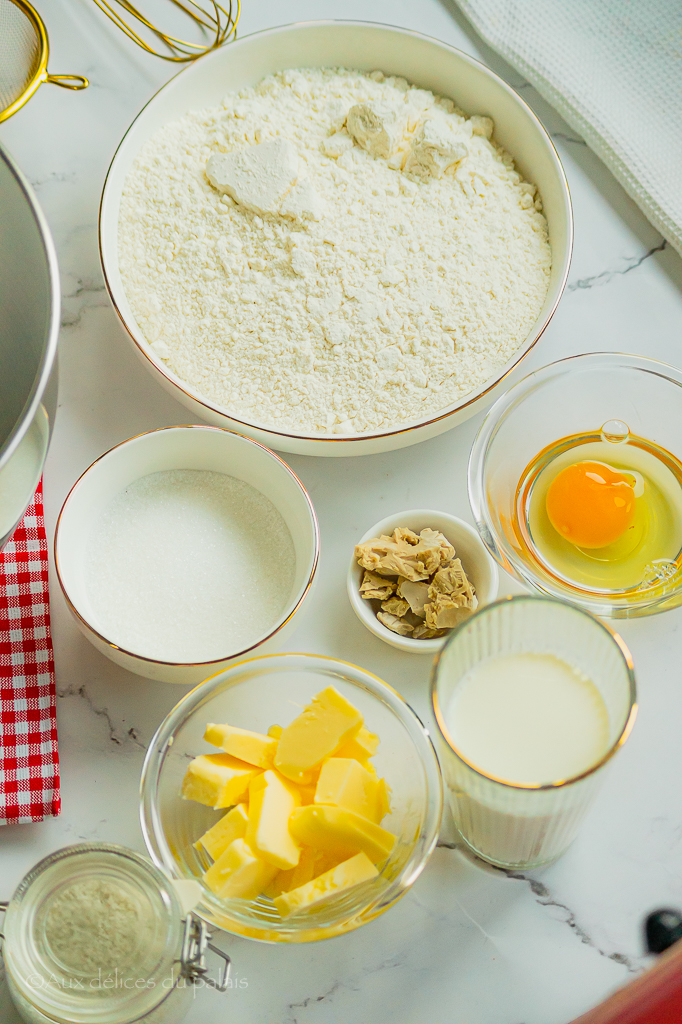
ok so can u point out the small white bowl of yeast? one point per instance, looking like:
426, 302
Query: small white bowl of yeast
184, 549
479, 567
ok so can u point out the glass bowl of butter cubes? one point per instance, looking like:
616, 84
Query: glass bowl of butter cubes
302, 793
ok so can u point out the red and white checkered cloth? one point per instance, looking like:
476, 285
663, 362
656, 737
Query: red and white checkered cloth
29, 761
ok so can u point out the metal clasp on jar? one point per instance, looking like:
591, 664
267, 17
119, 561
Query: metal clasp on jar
196, 940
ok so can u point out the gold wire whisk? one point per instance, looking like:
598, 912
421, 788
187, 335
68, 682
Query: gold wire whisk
219, 22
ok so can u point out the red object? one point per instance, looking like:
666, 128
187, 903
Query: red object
653, 998
29, 761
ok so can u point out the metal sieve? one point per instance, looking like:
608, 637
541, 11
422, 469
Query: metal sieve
24, 50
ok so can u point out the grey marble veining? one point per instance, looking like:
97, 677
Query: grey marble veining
468, 944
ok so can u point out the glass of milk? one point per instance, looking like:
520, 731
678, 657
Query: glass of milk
532, 697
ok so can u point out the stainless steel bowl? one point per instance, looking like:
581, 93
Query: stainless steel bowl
29, 329
421, 60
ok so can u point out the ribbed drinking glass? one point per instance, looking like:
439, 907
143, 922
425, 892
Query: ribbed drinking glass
525, 825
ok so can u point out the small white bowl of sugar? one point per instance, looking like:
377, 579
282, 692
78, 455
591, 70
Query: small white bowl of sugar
184, 549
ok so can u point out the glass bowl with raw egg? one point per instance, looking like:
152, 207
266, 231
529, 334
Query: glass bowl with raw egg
575, 482
373, 806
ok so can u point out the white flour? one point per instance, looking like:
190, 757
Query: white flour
405, 295
189, 565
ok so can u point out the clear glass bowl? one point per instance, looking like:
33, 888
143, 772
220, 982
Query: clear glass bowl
271, 690
572, 396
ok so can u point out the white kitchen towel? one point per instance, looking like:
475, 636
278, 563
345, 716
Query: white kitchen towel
613, 70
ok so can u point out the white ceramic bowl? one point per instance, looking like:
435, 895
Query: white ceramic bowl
185, 447
479, 567
365, 46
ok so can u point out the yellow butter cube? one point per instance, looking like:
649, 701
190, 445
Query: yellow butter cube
277, 886
306, 869
231, 826
252, 747
239, 873
345, 875
383, 799
343, 782
361, 748
275, 731
322, 727
271, 802
315, 863
310, 864
307, 793
340, 831
383, 791
217, 780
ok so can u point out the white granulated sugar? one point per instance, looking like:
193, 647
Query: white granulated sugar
406, 263
189, 565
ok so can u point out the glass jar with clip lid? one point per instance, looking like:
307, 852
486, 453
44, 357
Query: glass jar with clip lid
95, 934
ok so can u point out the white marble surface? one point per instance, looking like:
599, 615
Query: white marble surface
467, 945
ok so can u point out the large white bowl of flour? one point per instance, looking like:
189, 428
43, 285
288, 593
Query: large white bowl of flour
387, 297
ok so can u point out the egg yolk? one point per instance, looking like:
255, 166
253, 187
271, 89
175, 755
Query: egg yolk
590, 504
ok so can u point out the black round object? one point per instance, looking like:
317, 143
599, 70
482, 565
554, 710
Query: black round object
663, 928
